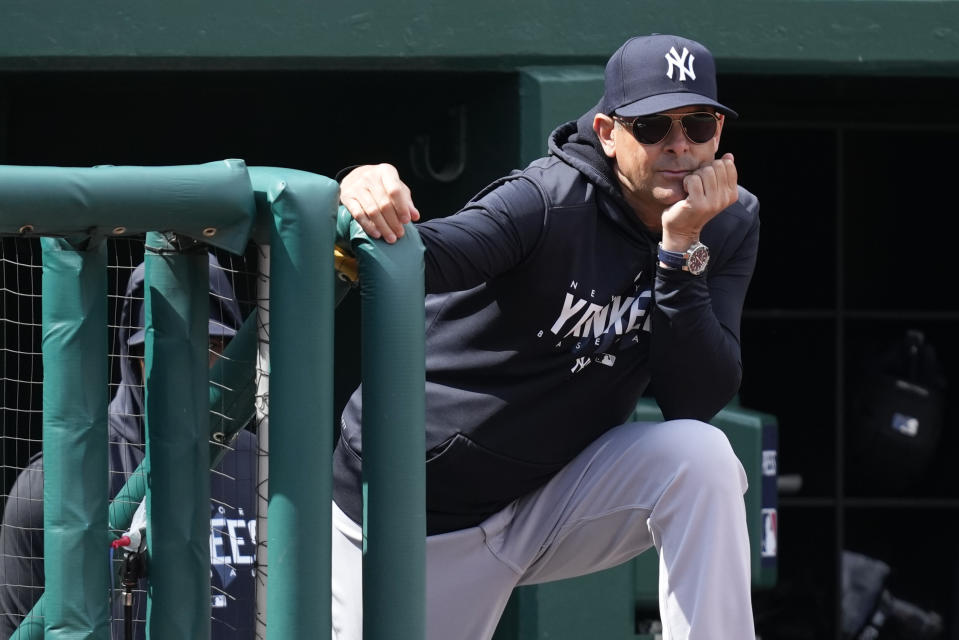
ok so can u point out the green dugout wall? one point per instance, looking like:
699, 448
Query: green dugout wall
808, 36
835, 97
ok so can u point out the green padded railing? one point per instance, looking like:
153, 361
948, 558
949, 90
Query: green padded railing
210, 202
222, 204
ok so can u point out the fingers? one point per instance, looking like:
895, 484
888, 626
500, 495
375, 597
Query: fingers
400, 199
713, 186
732, 174
378, 200
726, 177
695, 189
709, 189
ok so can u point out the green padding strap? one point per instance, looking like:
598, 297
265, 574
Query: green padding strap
177, 424
75, 537
299, 209
394, 438
210, 202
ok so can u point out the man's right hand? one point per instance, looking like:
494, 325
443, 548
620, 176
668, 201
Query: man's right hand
378, 200
709, 189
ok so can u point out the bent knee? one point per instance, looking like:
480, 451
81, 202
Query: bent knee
705, 456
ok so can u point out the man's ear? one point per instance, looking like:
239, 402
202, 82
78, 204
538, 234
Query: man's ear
605, 127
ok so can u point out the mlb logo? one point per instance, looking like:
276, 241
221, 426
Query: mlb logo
218, 601
906, 425
770, 533
607, 359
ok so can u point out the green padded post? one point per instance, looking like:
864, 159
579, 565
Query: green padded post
177, 426
394, 437
300, 209
75, 398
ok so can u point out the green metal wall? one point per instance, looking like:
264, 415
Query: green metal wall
869, 36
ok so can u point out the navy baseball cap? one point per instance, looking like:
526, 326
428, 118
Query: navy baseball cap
651, 74
225, 316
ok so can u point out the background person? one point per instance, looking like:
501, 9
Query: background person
232, 486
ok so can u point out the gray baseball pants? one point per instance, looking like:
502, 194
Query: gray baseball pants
674, 485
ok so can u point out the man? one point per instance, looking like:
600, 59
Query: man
232, 485
555, 298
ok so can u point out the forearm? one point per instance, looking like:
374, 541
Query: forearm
466, 250
696, 364
489, 237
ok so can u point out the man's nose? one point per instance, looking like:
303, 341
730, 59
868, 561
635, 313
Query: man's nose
676, 140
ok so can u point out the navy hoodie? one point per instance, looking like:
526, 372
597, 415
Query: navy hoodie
546, 319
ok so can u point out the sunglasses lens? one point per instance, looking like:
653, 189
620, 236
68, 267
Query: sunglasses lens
699, 127
651, 129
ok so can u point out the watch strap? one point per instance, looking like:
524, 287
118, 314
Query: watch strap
672, 259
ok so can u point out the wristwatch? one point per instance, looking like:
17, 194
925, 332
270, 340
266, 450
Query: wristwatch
693, 260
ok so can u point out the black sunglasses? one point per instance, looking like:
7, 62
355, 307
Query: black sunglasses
699, 127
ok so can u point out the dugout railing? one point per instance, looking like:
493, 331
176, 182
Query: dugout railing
182, 210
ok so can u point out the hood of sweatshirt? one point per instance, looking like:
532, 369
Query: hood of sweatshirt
127, 406
576, 144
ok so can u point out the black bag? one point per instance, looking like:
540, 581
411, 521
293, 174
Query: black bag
896, 418
871, 612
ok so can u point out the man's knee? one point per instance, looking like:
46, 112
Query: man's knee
704, 455
691, 451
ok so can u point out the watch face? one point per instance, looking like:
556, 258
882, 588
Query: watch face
698, 259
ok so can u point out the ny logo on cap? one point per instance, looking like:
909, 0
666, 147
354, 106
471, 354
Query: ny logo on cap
682, 62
